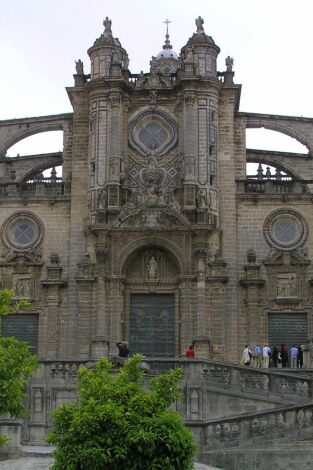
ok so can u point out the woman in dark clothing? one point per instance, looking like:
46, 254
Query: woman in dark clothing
284, 355
275, 356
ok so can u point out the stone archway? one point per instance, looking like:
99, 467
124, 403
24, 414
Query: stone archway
152, 303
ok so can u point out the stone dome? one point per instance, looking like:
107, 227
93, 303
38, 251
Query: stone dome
167, 53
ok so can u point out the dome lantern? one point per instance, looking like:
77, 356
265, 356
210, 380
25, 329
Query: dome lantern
166, 62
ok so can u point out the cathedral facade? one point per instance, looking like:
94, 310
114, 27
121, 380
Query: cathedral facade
155, 233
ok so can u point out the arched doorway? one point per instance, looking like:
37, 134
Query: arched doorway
152, 303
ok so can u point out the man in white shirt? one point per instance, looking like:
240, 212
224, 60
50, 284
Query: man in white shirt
266, 356
246, 355
293, 356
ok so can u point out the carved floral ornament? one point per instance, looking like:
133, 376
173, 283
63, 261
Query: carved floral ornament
22, 231
285, 229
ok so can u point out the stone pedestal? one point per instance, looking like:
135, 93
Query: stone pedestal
11, 428
100, 348
202, 347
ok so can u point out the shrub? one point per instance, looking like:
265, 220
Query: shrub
117, 423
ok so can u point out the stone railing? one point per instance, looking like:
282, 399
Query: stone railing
203, 383
42, 188
226, 376
272, 186
255, 428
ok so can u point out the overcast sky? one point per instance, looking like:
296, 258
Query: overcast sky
270, 40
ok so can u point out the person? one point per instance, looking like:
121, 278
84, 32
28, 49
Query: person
258, 356
300, 358
123, 350
275, 356
190, 352
293, 356
266, 356
246, 355
284, 355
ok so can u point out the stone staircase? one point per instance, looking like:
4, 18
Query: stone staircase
247, 418
235, 413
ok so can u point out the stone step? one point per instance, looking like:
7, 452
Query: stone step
37, 451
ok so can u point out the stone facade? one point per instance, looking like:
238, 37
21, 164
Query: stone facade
155, 233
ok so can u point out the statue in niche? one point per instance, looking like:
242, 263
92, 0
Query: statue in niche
116, 58
199, 24
201, 198
152, 268
102, 198
189, 55
79, 65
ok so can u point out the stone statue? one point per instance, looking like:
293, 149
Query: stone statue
152, 268
229, 61
102, 198
79, 67
189, 55
107, 27
125, 62
199, 24
201, 198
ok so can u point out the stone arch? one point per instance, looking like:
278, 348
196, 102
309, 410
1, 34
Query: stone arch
289, 130
130, 251
25, 132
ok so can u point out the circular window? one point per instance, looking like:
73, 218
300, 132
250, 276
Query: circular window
285, 229
152, 135
22, 230
153, 130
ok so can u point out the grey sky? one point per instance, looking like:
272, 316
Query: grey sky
41, 39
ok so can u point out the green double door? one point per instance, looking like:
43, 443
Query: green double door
287, 329
152, 324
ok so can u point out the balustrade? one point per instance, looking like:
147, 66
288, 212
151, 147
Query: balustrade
253, 428
45, 187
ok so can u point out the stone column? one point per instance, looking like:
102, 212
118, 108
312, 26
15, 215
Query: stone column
53, 301
85, 281
253, 301
100, 342
190, 134
115, 151
217, 280
201, 342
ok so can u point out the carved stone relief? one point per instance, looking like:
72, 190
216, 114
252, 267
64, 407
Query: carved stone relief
287, 285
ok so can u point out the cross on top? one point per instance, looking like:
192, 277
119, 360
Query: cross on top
167, 22
167, 44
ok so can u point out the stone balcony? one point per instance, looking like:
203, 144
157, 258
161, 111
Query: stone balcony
45, 188
273, 186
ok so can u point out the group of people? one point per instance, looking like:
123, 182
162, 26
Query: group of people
266, 357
